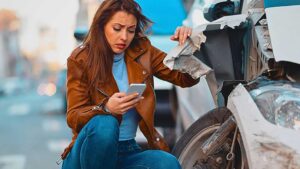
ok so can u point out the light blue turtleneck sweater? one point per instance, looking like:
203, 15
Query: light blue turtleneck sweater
129, 123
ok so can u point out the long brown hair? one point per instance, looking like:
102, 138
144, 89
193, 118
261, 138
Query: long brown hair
100, 55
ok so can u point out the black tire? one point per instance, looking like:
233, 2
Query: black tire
214, 117
187, 147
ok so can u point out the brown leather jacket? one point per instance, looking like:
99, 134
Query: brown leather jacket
143, 62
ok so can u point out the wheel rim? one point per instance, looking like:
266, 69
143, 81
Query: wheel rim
190, 157
189, 154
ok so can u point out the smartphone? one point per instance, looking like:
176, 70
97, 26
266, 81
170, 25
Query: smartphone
136, 88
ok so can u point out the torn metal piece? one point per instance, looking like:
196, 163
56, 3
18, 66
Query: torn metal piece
188, 63
178, 57
198, 37
263, 22
268, 46
255, 4
231, 21
191, 65
267, 34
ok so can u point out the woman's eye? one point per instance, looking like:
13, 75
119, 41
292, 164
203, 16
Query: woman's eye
131, 31
117, 29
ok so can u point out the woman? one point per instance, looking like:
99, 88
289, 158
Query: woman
102, 117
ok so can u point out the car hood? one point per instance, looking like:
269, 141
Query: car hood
284, 30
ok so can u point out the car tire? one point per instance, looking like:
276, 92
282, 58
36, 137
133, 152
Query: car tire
187, 149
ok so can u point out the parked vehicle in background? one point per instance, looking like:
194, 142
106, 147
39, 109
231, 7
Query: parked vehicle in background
254, 120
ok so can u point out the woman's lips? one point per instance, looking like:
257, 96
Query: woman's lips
120, 46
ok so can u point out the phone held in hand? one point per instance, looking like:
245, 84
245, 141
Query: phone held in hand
136, 88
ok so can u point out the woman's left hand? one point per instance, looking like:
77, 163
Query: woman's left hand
181, 34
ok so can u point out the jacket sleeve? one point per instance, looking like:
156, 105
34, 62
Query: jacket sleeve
80, 109
161, 71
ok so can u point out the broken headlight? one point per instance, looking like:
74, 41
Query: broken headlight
279, 104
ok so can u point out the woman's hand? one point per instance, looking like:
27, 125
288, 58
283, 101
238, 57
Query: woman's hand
119, 103
181, 34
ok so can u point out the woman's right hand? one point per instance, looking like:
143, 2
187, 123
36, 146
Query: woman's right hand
120, 103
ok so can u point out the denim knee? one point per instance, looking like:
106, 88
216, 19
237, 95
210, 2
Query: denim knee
96, 144
104, 128
166, 160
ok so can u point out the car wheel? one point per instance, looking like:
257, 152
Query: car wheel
188, 148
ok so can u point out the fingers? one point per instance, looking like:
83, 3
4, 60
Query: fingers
127, 98
181, 34
176, 33
120, 103
132, 102
119, 95
123, 98
128, 105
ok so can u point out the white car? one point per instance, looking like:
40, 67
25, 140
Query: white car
253, 119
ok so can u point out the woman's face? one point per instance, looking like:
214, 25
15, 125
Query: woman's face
120, 31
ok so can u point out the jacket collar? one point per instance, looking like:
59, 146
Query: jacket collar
138, 47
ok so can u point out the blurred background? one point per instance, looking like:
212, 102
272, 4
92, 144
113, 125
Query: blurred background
36, 37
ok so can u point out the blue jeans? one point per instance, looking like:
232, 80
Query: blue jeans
97, 147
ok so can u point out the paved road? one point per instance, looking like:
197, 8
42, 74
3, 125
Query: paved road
33, 131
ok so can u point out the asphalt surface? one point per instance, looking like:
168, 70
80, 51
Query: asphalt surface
33, 131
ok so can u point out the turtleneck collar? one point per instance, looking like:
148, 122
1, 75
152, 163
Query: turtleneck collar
118, 57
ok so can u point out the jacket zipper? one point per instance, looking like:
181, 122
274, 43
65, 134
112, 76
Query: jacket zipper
102, 92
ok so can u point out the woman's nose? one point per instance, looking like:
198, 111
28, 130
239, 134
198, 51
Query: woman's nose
124, 35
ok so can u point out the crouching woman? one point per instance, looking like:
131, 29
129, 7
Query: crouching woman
103, 118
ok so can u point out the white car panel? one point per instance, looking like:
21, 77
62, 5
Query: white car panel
284, 28
193, 108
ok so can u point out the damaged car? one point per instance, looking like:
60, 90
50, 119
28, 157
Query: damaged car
245, 112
